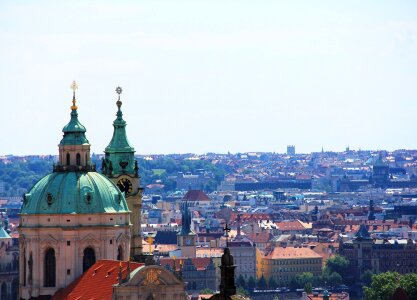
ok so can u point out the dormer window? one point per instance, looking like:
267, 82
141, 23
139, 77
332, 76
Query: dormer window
49, 199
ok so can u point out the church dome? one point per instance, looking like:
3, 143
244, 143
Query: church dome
74, 193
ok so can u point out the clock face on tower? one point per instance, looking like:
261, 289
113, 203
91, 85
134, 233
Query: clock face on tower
188, 241
125, 185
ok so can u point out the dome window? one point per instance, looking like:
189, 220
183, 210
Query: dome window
88, 198
49, 199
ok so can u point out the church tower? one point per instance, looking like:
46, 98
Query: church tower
69, 219
186, 238
121, 167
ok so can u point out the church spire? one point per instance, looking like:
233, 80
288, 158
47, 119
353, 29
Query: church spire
74, 148
119, 144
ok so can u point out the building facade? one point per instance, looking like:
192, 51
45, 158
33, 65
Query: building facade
70, 218
285, 263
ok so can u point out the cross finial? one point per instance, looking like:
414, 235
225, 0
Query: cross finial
73, 87
226, 230
119, 91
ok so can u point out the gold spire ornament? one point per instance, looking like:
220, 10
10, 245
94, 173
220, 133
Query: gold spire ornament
73, 87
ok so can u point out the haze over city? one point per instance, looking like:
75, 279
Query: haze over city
211, 76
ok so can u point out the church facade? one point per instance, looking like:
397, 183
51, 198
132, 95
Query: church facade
75, 216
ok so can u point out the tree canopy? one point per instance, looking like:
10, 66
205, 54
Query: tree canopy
384, 285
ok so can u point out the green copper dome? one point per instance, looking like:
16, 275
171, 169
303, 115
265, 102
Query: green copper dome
74, 193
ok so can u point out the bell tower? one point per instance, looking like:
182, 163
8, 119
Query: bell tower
121, 167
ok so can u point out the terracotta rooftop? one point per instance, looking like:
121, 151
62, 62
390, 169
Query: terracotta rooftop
292, 253
195, 195
262, 237
96, 283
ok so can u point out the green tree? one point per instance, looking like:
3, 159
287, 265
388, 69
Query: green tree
338, 264
206, 292
383, 286
262, 283
335, 279
366, 277
251, 283
272, 284
308, 288
409, 283
241, 281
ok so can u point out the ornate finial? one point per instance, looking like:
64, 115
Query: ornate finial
119, 91
73, 87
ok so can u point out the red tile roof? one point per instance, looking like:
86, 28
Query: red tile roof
195, 195
96, 283
262, 237
292, 253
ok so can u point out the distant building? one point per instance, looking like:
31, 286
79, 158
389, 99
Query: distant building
291, 150
189, 181
365, 253
9, 266
197, 273
285, 263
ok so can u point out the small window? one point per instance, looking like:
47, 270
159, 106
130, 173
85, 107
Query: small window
78, 159
111, 242
68, 159
68, 271
49, 199
68, 243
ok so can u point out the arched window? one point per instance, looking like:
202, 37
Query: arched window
15, 288
78, 159
120, 253
3, 295
50, 268
89, 258
68, 159
24, 267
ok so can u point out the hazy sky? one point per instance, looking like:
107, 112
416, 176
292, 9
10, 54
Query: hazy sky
211, 76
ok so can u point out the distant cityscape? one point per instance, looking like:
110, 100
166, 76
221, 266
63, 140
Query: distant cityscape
297, 223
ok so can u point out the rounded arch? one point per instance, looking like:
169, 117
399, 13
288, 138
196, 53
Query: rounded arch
120, 253
3, 293
78, 159
89, 258
15, 289
49, 268
68, 160
24, 266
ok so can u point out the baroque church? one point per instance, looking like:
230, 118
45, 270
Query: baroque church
75, 216
79, 230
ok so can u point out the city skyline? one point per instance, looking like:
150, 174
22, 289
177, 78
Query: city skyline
202, 77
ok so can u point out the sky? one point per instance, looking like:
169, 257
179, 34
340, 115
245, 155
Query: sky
210, 76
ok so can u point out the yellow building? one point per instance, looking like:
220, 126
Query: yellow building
284, 263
